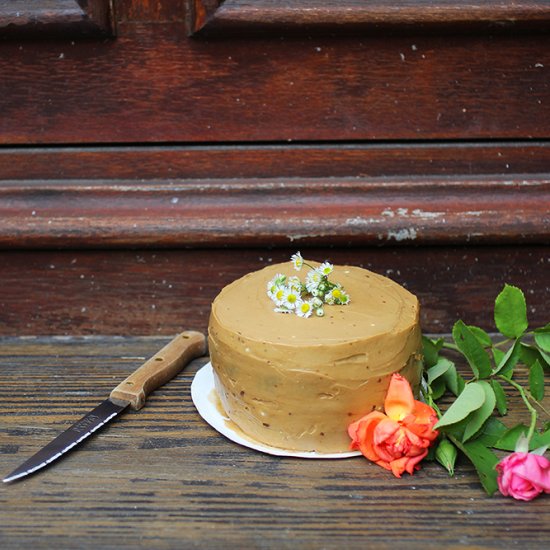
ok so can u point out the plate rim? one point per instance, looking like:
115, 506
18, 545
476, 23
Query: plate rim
212, 416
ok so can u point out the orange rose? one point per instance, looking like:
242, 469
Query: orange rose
399, 439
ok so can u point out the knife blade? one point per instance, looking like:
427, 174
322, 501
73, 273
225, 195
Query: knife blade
131, 392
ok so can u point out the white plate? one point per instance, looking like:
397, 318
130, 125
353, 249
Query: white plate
203, 393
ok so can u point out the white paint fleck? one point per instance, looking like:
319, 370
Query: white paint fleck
358, 221
418, 213
404, 234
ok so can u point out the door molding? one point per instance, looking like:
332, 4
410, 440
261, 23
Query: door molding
20, 18
347, 15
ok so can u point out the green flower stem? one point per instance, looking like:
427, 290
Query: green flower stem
448, 345
502, 343
429, 400
532, 410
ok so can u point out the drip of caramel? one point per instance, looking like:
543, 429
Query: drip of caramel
297, 383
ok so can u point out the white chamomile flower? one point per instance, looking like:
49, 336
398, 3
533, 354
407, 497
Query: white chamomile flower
279, 295
275, 284
290, 298
304, 308
290, 295
336, 295
325, 269
333, 296
295, 283
344, 298
313, 279
297, 260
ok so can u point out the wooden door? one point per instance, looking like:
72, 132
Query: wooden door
147, 141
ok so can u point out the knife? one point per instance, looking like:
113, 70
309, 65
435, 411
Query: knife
132, 392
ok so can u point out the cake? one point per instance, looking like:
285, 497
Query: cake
297, 383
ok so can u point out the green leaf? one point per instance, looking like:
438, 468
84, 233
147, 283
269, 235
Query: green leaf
439, 369
453, 381
478, 417
500, 395
471, 348
498, 355
492, 431
536, 381
528, 354
507, 442
545, 357
540, 439
461, 384
483, 338
509, 360
431, 350
446, 454
471, 399
438, 388
484, 461
511, 312
542, 338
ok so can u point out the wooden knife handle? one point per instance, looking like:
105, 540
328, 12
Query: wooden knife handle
161, 368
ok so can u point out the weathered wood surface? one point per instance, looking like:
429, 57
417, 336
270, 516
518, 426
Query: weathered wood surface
465, 159
349, 15
162, 478
61, 18
136, 292
280, 211
153, 84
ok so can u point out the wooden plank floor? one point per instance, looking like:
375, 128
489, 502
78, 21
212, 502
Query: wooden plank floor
162, 478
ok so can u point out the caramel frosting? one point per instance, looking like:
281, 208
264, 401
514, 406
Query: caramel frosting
297, 383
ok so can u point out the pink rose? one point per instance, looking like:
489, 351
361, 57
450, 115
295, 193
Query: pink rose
523, 475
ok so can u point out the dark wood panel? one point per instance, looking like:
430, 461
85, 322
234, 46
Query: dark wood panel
57, 18
266, 212
162, 291
153, 84
345, 15
261, 161
162, 478
152, 10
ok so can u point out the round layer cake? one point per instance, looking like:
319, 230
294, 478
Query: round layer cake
297, 383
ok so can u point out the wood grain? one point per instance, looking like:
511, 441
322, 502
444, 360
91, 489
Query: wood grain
299, 160
154, 85
162, 478
136, 292
205, 213
348, 15
21, 19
